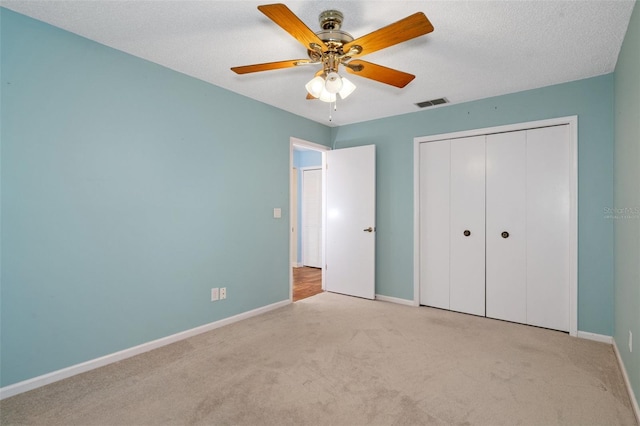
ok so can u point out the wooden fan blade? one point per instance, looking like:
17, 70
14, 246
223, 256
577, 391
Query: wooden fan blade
379, 73
405, 29
269, 66
283, 16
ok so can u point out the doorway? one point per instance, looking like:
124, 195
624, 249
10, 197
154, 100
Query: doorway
307, 195
307, 282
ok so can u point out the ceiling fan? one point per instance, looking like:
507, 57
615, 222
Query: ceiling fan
332, 47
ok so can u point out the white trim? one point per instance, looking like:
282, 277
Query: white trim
306, 144
573, 226
572, 121
498, 129
73, 370
632, 395
416, 222
595, 337
293, 216
397, 300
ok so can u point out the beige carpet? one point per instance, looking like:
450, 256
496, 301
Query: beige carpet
337, 360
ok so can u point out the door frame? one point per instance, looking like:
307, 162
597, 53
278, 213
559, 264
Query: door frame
293, 142
572, 121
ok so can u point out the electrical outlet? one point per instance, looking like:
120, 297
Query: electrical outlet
214, 294
630, 341
223, 293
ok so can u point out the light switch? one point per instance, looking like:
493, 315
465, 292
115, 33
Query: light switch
277, 213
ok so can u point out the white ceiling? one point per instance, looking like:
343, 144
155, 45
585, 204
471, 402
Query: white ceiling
478, 49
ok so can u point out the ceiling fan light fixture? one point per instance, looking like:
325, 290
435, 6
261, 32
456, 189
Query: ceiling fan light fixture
327, 89
332, 47
327, 97
333, 83
315, 86
347, 88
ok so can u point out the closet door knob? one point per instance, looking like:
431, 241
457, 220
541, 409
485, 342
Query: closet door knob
505, 234
466, 232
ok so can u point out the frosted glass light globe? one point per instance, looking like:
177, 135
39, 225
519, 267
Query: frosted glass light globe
333, 83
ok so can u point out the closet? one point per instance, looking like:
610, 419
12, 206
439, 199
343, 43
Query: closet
495, 225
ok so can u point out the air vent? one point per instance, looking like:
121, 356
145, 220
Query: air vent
432, 102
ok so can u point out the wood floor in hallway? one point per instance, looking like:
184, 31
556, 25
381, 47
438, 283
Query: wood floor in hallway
306, 282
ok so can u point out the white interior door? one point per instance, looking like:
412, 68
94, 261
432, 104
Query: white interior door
467, 226
506, 280
434, 223
350, 221
548, 227
312, 218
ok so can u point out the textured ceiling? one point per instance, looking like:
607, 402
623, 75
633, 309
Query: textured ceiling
478, 48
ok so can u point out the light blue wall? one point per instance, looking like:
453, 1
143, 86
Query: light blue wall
124, 200
591, 100
304, 159
121, 206
627, 200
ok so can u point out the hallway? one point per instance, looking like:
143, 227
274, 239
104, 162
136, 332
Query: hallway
307, 282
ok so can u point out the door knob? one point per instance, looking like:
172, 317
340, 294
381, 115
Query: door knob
369, 229
505, 234
466, 232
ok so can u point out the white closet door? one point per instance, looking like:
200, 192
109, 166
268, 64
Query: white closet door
506, 279
467, 263
434, 223
312, 218
548, 231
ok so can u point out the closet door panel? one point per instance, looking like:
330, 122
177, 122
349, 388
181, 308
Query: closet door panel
506, 213
467, 262
434, 224
548, 218
312, 218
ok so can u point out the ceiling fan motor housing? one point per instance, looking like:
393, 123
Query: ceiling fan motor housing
331, 34
333, 37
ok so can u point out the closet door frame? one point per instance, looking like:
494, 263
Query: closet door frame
572, 122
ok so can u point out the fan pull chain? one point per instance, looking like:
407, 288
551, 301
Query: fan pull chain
333, 106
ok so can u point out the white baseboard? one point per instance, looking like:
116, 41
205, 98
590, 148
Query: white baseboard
610, 340
632, 396
64, 373
394, 300
596, 337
